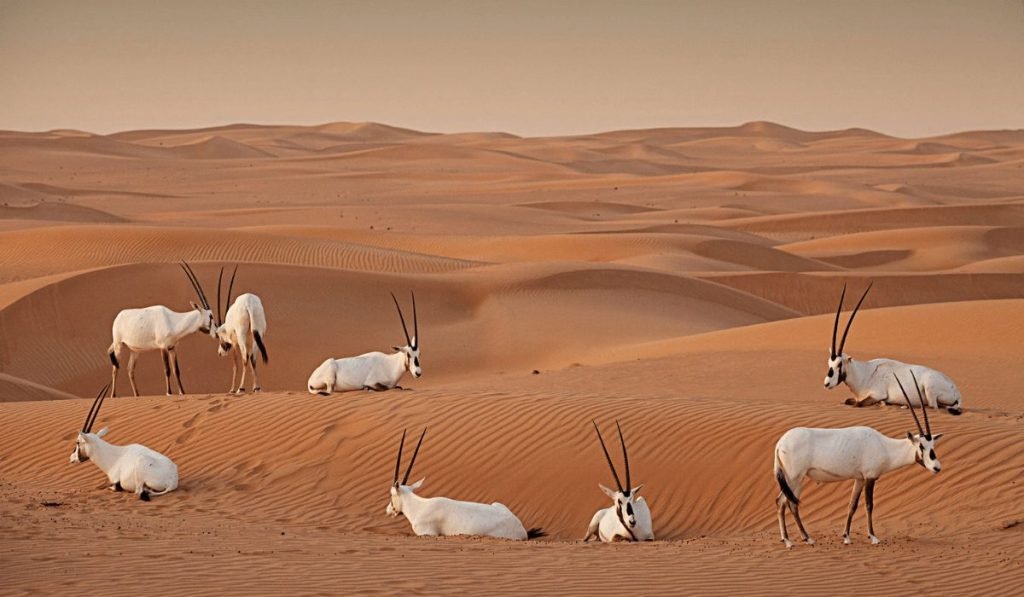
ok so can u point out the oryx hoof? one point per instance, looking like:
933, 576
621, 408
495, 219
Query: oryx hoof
850, 402
809, 541
256, 389
789, 544
240, 391
875, 540
846, 540
116, 487
144, 496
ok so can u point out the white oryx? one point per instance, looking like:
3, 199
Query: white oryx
158, 328
133, 468
240, 332
859, 453
871, 381
442, 516
372, 370
628, 518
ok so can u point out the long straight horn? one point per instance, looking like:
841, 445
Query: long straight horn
835, 326
231, 286
415, 321
408, 471
842, 344
625, 457
408, 342
909, 405
94, 410
398, 461
195, 284
608, 458
924, 407
220, 278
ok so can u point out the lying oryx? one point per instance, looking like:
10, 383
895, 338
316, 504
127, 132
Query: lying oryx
240, 331
373, 370
132, 468
871, 381
443, 516
158, 328
859, 453
628, 518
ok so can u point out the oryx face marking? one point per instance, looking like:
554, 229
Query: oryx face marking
394, 508
835, 375
81, 451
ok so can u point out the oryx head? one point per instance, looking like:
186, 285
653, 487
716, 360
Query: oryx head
86, 438
412, 345
837, 360
923, 440
400, 490
225, 339
209, 325
625, 498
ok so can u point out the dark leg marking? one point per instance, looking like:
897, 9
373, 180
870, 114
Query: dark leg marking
177, 371
869, 501
858, 486
167, 370
795, 509
144, 496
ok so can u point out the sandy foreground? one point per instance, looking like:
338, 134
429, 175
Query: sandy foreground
680, 280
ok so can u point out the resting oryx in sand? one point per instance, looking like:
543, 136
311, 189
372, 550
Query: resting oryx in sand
859, 453
443, 516
373, 370
158, 328
240, 331
871, 381
132, 468
628, 518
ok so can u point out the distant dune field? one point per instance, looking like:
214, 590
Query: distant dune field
683, 281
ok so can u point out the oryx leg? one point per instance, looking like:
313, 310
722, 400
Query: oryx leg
234, 370
255, 380
113, 371
245, 362
167, 369
869, 501
595, 524
858, 486
780, 502
116, 487
131, 372
870, 400
177, 371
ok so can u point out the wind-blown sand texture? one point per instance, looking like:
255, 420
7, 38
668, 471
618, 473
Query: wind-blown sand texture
681, 280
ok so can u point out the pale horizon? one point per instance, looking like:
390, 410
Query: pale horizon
913, 69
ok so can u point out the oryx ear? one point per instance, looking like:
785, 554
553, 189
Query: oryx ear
910, 436
195, 306
417, 484
636, 490
396, 348
102, 432
607, 492
936, 437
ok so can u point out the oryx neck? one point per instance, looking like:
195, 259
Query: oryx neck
102, 453
187, 323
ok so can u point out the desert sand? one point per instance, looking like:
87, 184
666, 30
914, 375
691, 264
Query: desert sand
681, 280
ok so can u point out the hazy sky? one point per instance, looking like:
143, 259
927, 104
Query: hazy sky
535, 68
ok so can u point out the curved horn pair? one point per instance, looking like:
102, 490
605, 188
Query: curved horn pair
94, 410
926, 431
625, 458
398, 462
195, 284
231, 285
415, 321
835, 326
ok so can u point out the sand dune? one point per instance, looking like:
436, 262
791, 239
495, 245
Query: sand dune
680, 280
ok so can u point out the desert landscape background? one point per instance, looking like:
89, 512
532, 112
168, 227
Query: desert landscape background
682, 280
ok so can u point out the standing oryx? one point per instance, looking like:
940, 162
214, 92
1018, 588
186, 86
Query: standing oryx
132, 468
859, 453
628, 518
240, 331
158, 328
372, 370
443, 516
871, 381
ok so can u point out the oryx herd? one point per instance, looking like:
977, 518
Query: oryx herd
861, 454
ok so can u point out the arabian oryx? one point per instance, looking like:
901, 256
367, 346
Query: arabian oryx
859, 453
442, 516
159, 328
373, 370
133, 468
871, 381
240, 331
628, 518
